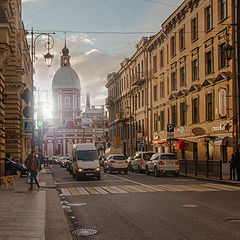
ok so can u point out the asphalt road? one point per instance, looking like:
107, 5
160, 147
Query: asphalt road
136, 206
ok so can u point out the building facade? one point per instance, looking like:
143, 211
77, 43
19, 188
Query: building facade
15, 77
180, 94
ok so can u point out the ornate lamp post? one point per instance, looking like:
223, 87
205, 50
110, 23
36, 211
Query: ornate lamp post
49, 43
230, 54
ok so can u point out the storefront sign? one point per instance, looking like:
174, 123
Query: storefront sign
222, 102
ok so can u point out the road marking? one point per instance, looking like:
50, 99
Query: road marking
101, 190
74, 191
222, 187
145, 188
128, 188
82, 191
118, 189
203, 188
65, 192
136, 188
113, 191
92, 190
173, 187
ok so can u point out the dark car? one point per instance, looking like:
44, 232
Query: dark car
12, 167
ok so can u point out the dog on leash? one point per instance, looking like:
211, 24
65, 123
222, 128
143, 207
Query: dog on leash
9, 180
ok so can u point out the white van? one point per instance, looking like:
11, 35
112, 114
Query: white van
85, 161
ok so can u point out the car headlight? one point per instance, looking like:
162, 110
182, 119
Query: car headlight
80, 170
98, 169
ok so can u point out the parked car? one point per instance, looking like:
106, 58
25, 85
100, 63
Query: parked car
116, 162
11, 167
162, 163
139, 161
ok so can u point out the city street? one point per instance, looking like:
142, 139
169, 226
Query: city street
136, 206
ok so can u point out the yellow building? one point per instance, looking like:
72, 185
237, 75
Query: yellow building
15, 66
186, 85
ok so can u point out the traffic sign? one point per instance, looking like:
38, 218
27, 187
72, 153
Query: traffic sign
27, 127
170, 127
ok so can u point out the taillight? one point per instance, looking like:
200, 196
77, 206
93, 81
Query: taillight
142, 161
112, 161
161, 163
177, 162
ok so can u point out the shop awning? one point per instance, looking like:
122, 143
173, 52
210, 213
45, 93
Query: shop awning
180, 144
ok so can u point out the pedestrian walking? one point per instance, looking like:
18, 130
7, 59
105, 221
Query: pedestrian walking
237, 163
33, 168
232, 167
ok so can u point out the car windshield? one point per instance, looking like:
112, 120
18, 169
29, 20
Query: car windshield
147, 156
168, 157
87, 155
118, 157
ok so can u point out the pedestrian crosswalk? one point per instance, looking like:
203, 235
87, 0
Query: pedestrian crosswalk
142, 188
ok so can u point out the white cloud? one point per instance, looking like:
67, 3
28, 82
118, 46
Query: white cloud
92, 67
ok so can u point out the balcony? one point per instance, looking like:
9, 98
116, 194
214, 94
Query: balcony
139, 80
109, 100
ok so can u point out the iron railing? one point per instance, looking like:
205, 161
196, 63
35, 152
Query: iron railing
207, 168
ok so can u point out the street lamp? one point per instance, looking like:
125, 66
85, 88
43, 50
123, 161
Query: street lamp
229, 50
48, 58
231, 53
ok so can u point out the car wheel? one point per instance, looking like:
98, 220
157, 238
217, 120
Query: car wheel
176, 174
126, 171
139, 170
110, 170
147, 171
156, 172
131, 168
105, 170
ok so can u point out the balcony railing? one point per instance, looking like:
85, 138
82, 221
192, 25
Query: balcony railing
109, 100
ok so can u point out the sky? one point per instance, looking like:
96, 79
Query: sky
99, 35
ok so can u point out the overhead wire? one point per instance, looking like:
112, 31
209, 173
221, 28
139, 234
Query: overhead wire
161, 3
49, 7
74, 10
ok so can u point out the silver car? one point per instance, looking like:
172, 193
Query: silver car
139, 161
162, 163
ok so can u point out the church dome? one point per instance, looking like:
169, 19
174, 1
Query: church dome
66, 77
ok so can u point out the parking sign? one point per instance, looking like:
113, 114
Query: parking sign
170, 128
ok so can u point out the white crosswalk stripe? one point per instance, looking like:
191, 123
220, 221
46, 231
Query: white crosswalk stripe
102, 191
143, 188
118, 189
82, 191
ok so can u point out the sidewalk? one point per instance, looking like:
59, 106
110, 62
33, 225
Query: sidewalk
32, 215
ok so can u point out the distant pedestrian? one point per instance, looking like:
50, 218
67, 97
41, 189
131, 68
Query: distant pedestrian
33, 168
232, 167
237, 162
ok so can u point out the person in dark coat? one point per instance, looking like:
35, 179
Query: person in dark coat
232, 167
33, 166
237, 163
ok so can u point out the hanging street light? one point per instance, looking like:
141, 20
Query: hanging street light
229, 50
48, 58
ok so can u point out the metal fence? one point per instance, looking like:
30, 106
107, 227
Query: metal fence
207, 168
